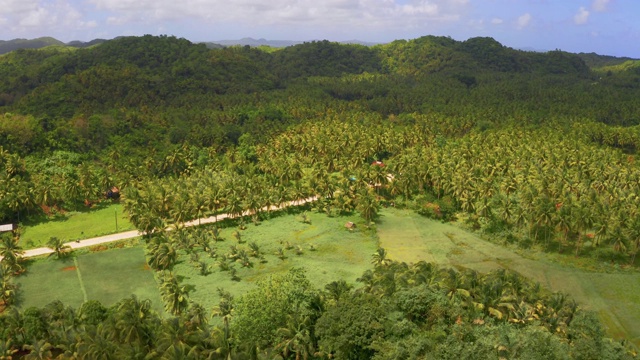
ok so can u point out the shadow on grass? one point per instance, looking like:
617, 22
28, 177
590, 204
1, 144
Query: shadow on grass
39, 218
66, 261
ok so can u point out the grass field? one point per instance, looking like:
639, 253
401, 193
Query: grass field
615, 297
100, 220
340, 254
107, 276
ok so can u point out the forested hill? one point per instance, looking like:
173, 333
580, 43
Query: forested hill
83, 99
17, 44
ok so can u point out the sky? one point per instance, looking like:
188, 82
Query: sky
607, 27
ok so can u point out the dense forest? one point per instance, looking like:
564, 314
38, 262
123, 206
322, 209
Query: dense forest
528, 148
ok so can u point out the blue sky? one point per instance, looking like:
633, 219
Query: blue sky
609, 27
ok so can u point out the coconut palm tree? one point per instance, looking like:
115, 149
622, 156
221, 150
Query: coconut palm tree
379, 258
7, 287
134, 323
11, 253
238, 236
174, 294
39, 350
60, 249
161, 254
7, 349
295, 338
633, 233
337, 289
215, 233
367, 205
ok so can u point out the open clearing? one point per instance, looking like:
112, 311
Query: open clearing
100, 220
410, 237
339, 254
107, 276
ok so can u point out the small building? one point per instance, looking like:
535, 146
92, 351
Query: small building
350, 225
8, 227
113, 193
377, 163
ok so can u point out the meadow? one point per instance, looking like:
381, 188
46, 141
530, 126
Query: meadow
74, 225
324, 248
614, 296
107, 276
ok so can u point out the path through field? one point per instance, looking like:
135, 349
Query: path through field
410, 237
135, 233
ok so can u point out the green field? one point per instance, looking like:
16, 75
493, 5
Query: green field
410, 237
107, 276
340, 254
75, 225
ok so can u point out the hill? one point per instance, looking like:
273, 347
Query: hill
165, 83
15, 44
529, 150
595, 61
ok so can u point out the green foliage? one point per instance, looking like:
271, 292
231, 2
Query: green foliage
348, 329
401, 311
259, 313
92, 312
535, 147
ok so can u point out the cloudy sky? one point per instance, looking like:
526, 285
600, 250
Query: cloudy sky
610, 27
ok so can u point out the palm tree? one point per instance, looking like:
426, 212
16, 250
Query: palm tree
39, 350
60, 249
337, 289
6, 349
295, 338
162, 255
215, 233
134, 322
367, 205
7, 287
11, 253
175, 295
379, 258
616, 236
255, 249
236, 234
234, 204
633, 233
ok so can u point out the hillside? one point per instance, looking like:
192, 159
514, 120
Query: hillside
7, 46
535, 152
15, 44
167, 82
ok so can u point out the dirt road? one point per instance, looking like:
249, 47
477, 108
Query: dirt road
135, 233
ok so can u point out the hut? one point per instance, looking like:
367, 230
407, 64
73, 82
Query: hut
113, 193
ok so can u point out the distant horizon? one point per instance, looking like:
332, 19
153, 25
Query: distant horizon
607, 27
294, 42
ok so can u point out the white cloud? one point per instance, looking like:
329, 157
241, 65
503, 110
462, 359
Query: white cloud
523, 21
600, 5
10, 8
33, 18
89, 24
497, 21
352, 13
581, 17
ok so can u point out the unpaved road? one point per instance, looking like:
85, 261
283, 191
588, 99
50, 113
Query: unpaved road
135, 233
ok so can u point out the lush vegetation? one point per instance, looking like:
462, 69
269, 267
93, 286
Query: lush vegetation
400, 311
534, 149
